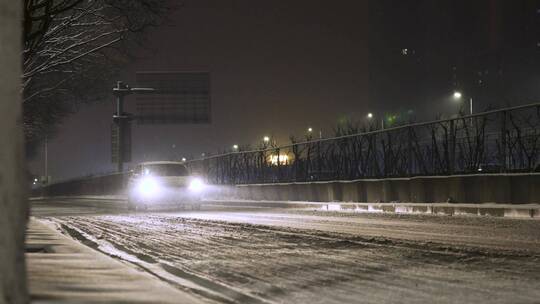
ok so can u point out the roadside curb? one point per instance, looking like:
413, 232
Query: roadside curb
496, 210
85, 197
62, 270
522, 211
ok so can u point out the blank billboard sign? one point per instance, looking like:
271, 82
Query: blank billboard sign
180, 98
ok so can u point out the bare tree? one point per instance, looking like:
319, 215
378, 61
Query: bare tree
72, 50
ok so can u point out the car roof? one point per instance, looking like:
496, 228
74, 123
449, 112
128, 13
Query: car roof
160, 163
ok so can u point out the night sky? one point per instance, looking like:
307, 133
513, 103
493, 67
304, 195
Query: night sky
278, 67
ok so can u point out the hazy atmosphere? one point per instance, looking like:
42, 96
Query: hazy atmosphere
313, 64
265, 152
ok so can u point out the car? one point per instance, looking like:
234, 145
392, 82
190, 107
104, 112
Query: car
163, 183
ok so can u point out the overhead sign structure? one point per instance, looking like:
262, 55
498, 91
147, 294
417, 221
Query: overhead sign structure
162, 98
183, 98
121, 141
121, 130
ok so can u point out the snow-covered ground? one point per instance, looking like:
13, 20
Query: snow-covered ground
287, 256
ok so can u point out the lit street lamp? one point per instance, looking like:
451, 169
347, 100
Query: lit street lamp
235, 147
370, 117
458, 95
266, 139
310, 131
184, 159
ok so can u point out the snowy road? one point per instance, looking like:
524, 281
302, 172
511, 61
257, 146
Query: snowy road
232, 255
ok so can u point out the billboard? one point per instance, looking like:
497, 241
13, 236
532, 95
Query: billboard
180, 98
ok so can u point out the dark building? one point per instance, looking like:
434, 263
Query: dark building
423, 51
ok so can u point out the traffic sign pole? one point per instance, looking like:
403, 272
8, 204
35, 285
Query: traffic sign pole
121, 120
120, 91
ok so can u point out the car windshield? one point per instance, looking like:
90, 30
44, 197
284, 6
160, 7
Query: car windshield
165, 170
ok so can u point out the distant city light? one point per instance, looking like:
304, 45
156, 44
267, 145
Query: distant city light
457, 95
310, 130
266, 139
370, 115
282, 159
184, 159
235, 147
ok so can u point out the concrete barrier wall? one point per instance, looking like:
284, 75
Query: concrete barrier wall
500, 188
112, 184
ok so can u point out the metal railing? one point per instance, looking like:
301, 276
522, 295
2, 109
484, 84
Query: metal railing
499, 141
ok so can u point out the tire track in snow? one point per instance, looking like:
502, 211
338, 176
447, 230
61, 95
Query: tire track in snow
274, 264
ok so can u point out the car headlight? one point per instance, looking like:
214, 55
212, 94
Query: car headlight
196, 185
148, 186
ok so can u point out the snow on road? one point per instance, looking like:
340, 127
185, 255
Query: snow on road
298, 257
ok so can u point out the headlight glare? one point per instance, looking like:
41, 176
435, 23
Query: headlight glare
148, 186
196, 185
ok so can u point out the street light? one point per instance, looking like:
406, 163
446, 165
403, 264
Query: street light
266, 139
458, 95
184, 159
235, 147
310, 131
370, 117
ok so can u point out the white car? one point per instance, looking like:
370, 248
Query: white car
163, 182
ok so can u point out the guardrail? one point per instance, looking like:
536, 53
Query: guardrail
499, 141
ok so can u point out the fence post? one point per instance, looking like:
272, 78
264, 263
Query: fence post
263, 163
246, 168
319, 160
503, 148
452, 147
386, 151
206, 169
228, 175
278, 166
375, 169
410, 166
